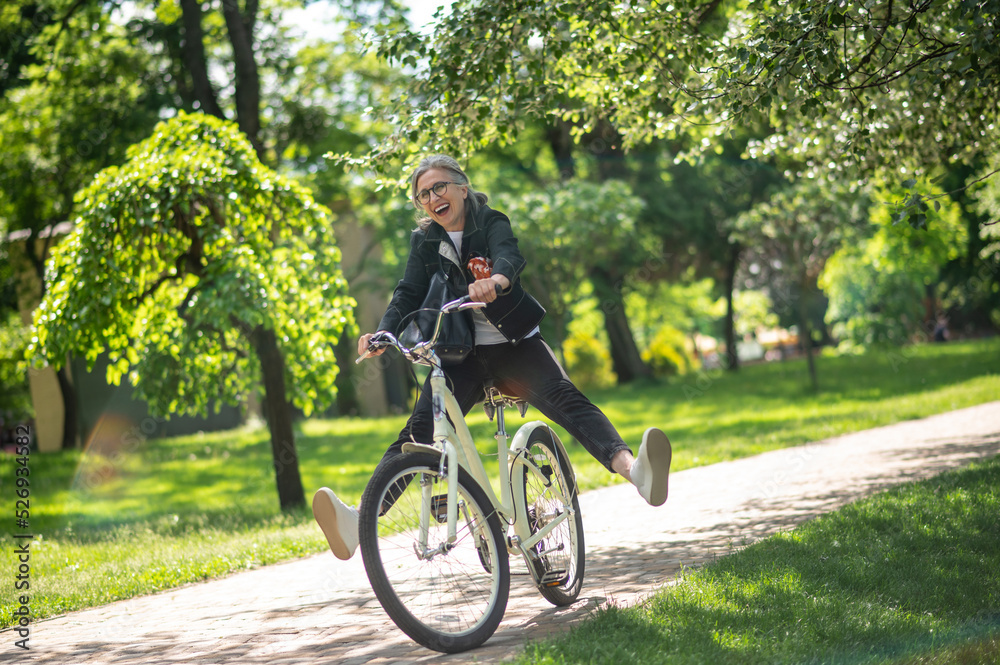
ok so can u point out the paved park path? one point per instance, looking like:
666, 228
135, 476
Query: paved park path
321, 610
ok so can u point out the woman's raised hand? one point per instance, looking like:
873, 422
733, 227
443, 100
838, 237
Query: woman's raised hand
485, 290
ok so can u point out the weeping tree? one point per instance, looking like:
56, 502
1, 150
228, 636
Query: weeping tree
790, 238
201, 274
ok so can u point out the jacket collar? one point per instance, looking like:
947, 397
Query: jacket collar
447, 249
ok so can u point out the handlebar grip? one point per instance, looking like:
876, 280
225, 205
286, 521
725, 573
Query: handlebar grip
379, 340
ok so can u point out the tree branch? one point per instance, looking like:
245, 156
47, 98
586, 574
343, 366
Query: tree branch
220, 334
192, 261
705, 14
365, 253
156, 285
37, 260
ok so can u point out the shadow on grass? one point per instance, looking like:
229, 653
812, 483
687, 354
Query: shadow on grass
909, 571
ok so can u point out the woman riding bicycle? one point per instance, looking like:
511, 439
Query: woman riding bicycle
456, 225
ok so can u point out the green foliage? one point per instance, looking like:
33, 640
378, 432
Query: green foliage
791, 236
667, 353
687, 305
754, 311
323, 104
568, 230
70, 117
875, 85
588, 362
179, 257
20, 24
15, 397
983, 287
667, 316
877, 286
584, 353
878, 84
488, 69
987, 197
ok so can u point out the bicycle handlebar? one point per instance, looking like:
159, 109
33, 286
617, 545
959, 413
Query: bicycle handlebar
384, 339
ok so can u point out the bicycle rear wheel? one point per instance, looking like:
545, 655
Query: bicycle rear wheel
446, 598
550, 490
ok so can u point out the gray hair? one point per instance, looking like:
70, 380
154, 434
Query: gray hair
457, 175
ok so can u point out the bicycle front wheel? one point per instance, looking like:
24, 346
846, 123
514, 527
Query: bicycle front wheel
448, 598
550, 491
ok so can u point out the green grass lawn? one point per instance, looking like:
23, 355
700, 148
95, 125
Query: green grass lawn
168, 512
906, 577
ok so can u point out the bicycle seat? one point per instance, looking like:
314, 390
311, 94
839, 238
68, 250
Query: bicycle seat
498, 393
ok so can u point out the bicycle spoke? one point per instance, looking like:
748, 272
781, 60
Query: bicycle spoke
445, 595
550, 492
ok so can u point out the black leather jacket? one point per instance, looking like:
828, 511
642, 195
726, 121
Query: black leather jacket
488, 233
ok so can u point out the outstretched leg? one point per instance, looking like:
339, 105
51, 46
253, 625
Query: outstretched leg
649, 471
531, 369
338, 521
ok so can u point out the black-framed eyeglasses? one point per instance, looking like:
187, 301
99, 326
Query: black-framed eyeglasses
423, 197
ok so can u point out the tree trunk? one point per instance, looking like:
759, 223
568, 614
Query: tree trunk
561, 141
605, 143
730, 284
559, 323
240, 27
71, 420
930, 310
279, 420
625, 358
348, 402
70, 424
193, 52
805, 336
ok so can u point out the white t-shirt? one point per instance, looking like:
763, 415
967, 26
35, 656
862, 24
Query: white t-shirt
486, 332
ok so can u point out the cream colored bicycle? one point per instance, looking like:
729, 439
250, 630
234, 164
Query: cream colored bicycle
435, 538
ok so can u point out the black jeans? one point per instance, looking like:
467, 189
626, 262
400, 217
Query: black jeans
530, 371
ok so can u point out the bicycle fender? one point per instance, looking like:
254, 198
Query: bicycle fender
524, 432
412, 447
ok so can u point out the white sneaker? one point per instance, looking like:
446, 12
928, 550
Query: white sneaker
651, 469
338, 521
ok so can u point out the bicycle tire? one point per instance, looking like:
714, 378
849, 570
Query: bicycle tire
563, 549
455, 600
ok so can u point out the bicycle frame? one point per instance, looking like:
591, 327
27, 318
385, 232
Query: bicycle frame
512, 492
454, 442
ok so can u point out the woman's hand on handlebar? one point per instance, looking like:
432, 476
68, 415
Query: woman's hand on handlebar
363, 345
486, 290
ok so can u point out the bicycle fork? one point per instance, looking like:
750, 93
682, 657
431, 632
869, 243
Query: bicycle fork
447, 466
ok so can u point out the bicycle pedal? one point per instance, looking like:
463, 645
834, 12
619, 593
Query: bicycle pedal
546, 576
554, 578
